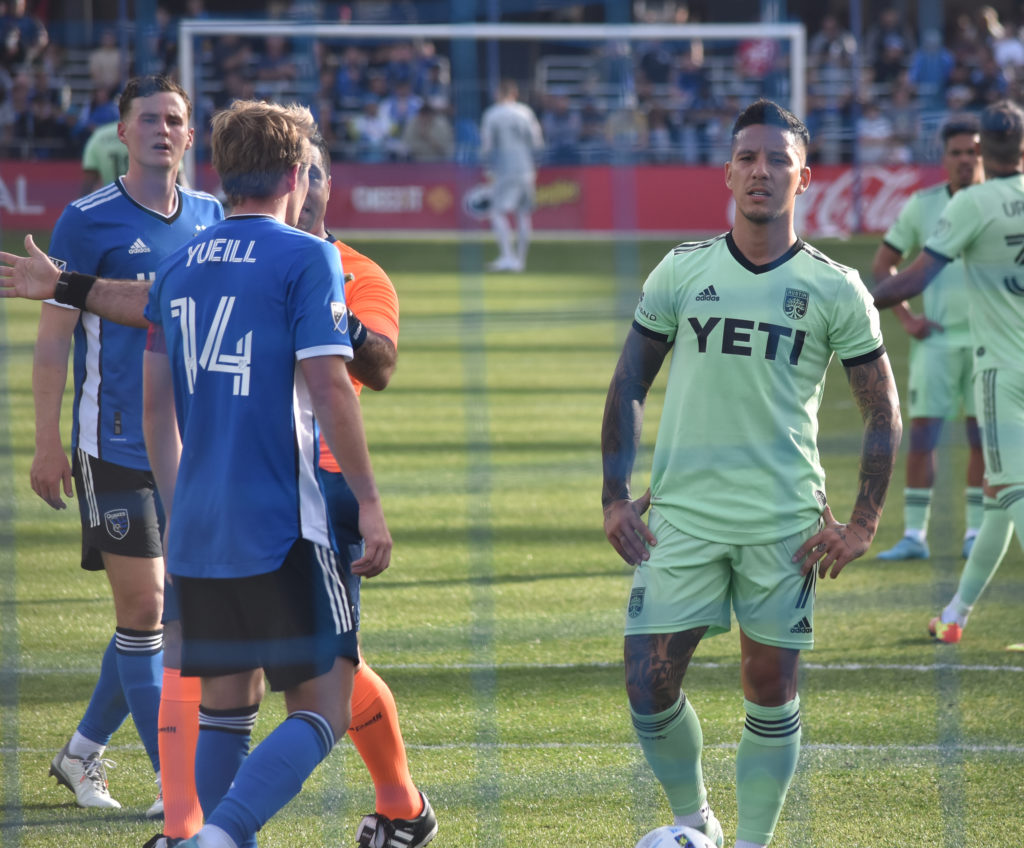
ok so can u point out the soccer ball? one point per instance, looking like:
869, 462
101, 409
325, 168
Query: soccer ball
675, 836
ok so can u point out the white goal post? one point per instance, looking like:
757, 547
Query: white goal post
190, 30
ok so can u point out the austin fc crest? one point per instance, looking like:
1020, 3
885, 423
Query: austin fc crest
636, 602
794, 304
116, 522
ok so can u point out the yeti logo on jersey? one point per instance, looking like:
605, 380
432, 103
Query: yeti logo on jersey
117, 523
794, 304
339, 312
636, 602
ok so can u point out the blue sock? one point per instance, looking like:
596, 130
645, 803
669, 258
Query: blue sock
140, 664
272, 775
224, 739
107, 708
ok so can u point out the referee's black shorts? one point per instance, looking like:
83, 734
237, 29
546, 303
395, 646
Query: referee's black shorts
293, 622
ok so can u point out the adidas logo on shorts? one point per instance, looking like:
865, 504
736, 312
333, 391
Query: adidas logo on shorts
708, 294
802, 626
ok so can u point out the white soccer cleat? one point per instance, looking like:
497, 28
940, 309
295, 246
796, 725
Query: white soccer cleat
157, 810
87, 779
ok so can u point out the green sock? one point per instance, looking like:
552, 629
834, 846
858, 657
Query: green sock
974, 508
672, 742
917, 508
990, 547
1011, 499
765, 764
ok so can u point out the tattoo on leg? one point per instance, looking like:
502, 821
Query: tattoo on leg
655, 666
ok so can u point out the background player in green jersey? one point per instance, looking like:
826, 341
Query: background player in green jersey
985, 225
739, 519
940, 351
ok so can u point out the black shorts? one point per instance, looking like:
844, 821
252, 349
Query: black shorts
120, 510
293, 622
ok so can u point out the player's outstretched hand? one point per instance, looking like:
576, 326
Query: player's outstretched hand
376, 542
627, 531
921, 326
33, 276
833, 547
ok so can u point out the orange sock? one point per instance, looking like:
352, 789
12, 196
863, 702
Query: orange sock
179, 730
378, 739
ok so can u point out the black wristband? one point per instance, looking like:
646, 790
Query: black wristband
356, 330
73, 288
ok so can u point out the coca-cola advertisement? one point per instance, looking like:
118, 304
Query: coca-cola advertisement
645, 201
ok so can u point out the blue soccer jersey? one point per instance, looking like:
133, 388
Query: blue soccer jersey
240, 306
108, 234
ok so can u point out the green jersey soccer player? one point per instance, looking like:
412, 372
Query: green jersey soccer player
739, 520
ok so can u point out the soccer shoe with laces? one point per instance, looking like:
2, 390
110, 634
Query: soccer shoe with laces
377, 831
87, 779
906, 548
941, 631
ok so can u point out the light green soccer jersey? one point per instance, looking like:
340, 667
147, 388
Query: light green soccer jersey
106, 154
736, 457
945, 299
984, 224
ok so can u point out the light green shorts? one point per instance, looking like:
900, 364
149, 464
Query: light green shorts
690, 582
999, 395
940, 380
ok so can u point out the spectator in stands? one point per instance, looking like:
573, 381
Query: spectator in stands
875, 142
31, 38
17, 104
901, 107
831, 50
428, 135
593, 146
106, 62
435, 81
988, 81
372, 133
350, 84
275, 64
1008, 50
101, 109
561, 126
401, 105
661, 134
41, 132
689, 78
626, 130
930, 69
889, 42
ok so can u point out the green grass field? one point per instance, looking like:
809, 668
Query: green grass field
498, 625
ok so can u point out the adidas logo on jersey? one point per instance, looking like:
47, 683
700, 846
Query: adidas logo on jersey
138, 246
802, 626
708, 294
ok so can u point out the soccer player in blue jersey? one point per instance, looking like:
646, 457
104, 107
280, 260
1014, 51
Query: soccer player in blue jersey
256, 337
124, 229
739, 519
984, 224
940, 346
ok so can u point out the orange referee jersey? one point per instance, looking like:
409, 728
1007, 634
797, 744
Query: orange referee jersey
372, 297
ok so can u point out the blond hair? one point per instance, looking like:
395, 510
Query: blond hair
254, 144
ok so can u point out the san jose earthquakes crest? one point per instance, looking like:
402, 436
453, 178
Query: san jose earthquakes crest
794, 304
117, 523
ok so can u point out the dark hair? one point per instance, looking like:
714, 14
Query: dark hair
960, 125
320, 143
769, 112
1002, 133
147, 86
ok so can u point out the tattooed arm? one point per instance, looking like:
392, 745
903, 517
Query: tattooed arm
837, 544
638, 365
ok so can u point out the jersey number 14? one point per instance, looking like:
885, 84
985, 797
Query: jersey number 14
213, 358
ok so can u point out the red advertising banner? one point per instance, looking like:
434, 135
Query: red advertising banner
652, 200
